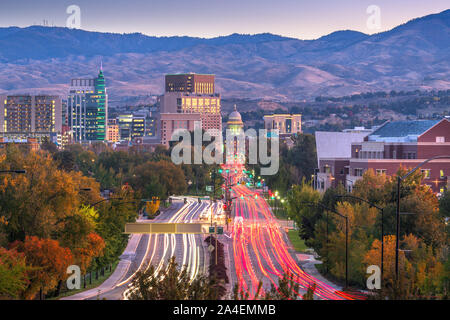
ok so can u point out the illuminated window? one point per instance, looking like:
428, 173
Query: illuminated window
426, 173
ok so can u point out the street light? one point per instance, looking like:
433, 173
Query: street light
382, 224
399, 181
312, 204
13, 171
108, 199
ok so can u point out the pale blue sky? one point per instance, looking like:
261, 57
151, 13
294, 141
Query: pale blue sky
304, 19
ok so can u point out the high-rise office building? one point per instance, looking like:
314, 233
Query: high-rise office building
190, 83
87, 109
131, 126
23, 116
193, 93
112, 131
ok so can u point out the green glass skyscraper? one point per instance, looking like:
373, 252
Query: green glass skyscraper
87, 105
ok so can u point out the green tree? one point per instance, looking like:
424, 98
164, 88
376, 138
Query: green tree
171, 283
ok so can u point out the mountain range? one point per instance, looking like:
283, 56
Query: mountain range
415, 55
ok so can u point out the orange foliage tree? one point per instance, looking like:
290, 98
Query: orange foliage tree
48, 261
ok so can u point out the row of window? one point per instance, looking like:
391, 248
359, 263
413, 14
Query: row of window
358, 172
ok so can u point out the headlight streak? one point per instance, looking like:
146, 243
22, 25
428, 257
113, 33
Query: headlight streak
252, 231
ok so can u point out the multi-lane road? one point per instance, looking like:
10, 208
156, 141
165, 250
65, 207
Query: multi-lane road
156, 249
257, 249
261, 252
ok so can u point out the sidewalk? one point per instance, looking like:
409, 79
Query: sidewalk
308, 262
119, 273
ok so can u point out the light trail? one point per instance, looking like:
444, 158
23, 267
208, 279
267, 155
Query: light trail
258, 233
188, 242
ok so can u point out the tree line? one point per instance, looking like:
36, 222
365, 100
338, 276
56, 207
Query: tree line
424, 267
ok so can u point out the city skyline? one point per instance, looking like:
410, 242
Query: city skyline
297, 19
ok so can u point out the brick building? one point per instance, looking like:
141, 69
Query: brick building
395, 144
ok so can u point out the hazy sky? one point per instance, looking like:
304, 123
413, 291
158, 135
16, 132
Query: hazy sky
304, 19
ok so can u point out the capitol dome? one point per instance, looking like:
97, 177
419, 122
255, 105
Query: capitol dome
235, 116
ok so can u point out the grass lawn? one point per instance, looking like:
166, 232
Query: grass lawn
298, 243
95, 283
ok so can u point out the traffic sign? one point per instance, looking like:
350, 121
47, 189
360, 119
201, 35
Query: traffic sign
212, 230
211, 248
219, 230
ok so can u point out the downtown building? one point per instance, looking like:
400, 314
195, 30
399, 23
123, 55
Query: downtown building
393, 145
87, 109
189, 97
30, 116
131, 126
286, 124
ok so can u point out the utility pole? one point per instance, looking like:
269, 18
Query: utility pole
215, 225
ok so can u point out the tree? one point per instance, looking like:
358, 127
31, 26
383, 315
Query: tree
444, 204
168, 177
49, 262
170, 283
288, 289
303, 156
13, 274
304, 215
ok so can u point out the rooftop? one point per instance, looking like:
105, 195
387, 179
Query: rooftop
332, 145
402, 131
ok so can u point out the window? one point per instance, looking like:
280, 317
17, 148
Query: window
440, 139
426, 173
381, 171
441, 174
358, 172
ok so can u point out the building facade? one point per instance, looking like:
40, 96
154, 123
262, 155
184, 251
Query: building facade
405, 144
113, 131
286, 124
235, 127
394, 145
190, 83
87, 109
23, 116
334, 151
193, 94
171, 122
130, 126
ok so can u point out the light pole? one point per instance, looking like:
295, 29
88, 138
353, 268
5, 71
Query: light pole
108, 199
381, 210
13, 171
318, 204
399, 181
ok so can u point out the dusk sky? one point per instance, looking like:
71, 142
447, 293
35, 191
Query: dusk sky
304, 19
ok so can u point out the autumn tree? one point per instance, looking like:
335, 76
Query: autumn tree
13, 274
48, 261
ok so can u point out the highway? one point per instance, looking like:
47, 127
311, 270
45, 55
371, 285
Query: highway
156, 249
259, 249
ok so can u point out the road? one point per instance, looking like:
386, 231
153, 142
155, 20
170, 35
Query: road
156, 249
259, 250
